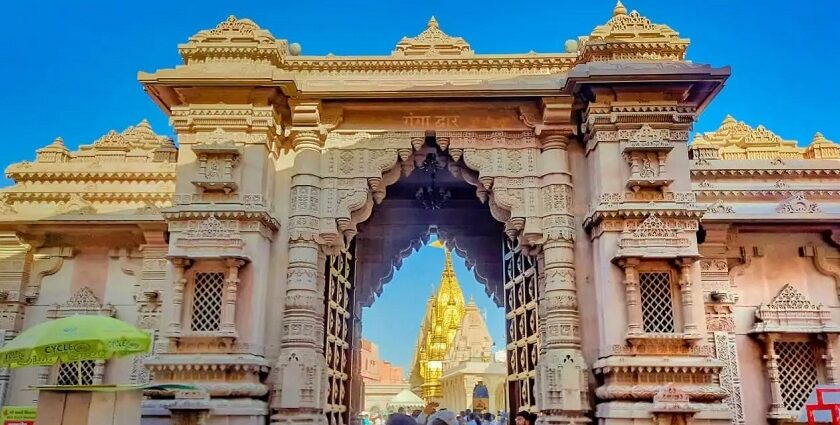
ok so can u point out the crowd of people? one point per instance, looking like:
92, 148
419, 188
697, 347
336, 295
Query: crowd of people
431, 415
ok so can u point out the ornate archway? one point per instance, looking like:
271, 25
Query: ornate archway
335, 188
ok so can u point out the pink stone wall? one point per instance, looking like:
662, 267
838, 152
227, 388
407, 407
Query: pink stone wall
758, 283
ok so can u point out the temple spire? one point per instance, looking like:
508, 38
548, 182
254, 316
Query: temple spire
443, 317
619, 9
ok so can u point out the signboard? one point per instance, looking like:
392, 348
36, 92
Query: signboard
18, 415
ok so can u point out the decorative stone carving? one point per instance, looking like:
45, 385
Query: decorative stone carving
654, 239
211, 233
82, 301
718, 207
730, 375
735, 140
797, 204
631, 36
824, 262
791, 312
647, 151
432, 42
216, 162
233, 39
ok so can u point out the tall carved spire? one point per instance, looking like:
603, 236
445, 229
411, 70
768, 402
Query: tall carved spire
444, 314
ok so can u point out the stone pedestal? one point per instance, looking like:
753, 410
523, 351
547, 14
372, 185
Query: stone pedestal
70, 407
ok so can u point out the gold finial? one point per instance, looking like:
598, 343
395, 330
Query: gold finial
728, 120
433, 23
619, 9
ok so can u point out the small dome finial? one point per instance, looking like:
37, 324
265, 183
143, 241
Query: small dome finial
728, 120
818, 139
433, 23
619, 9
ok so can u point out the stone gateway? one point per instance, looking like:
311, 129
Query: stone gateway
644, 277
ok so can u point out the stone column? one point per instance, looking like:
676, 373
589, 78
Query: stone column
178, 284
229, 303
635, 325
686, 294
830, 359
300, 392
561, 372
776, 402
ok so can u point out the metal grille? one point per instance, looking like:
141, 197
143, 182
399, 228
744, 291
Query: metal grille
339, 275
521, 314
207, 302
797, 372
76, 373
657, 302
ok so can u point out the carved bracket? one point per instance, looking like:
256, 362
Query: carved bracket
824, 262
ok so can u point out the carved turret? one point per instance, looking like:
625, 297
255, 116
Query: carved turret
238, 40
631, 36
433, 42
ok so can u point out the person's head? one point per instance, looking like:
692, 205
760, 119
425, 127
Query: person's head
525, 418
488, 416
416, 412
443, 417
401, 419
401, 410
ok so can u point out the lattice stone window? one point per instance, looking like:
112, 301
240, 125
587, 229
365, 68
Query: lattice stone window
657, 298
208, 292
76, 373
797, 372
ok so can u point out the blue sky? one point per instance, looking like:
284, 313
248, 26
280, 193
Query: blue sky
70, 68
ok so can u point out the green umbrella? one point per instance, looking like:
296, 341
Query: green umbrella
73, 339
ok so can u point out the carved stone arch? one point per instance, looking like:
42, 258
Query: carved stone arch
403, 245
506, 163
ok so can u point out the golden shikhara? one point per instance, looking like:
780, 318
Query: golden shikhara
444, 313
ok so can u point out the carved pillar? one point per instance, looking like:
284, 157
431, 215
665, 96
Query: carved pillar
301, 364
98, 372
229, 301
686, 296
776, 402
178, 284
635, 324
562, 371
830, 360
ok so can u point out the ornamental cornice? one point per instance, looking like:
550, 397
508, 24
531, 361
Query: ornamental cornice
660, 363
263, 217
637, 391
518, 64
759, 170
110, 197
778, 194
207, 362
51, 175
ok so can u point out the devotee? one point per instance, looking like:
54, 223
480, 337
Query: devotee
443, 417
488, 419
525, 418
400, 419
429, 410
